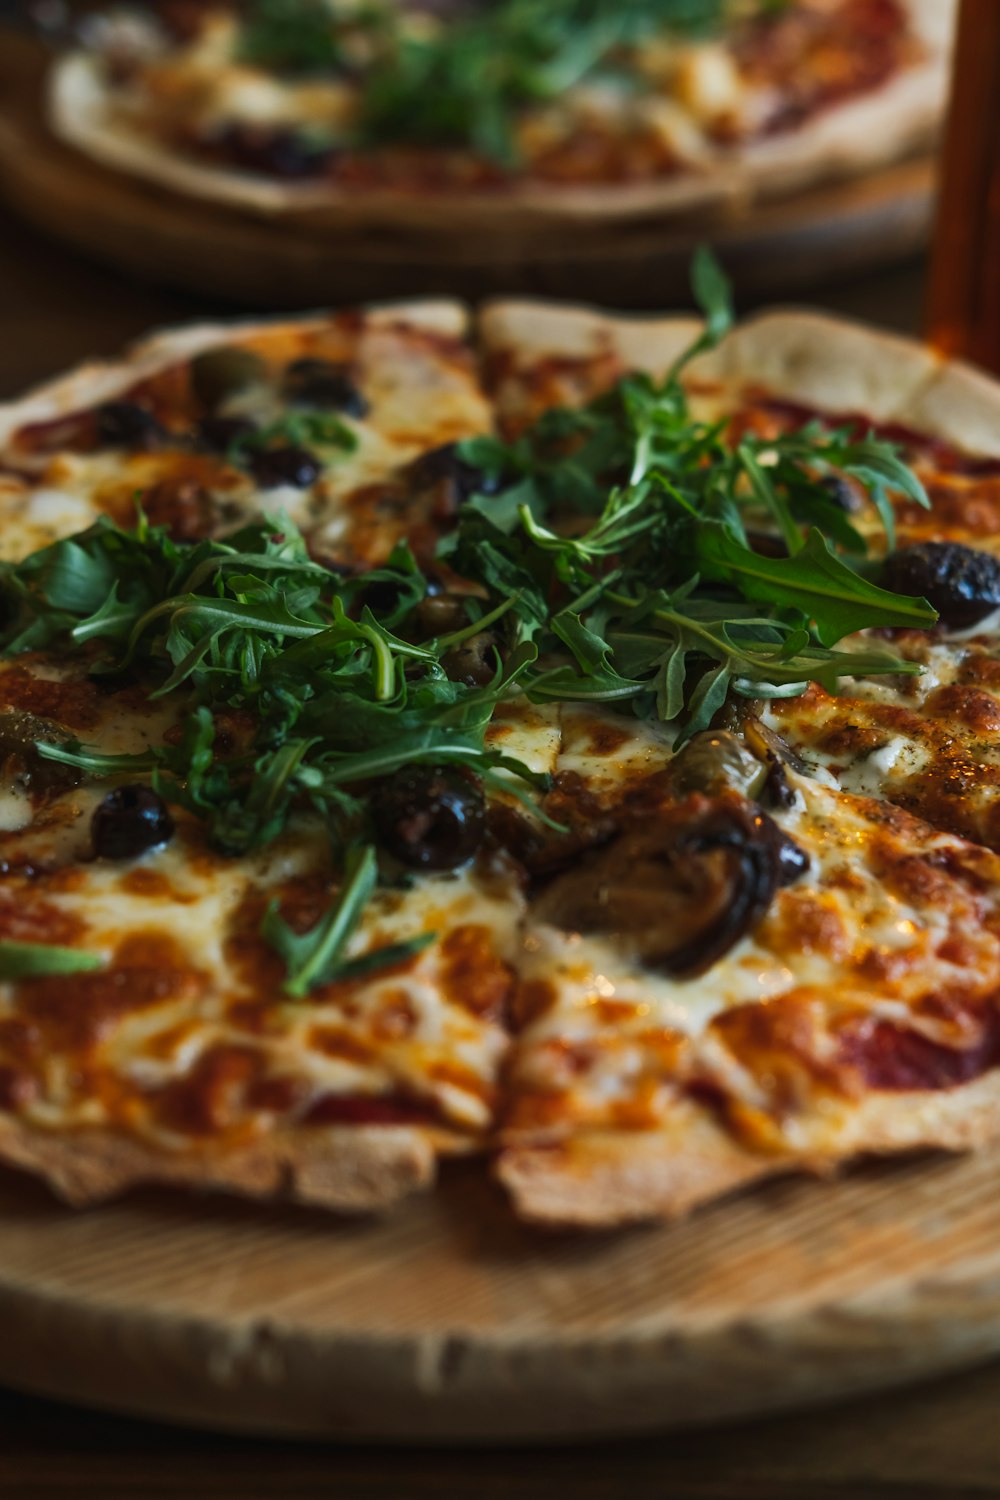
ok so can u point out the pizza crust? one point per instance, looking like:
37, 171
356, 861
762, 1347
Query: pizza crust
857, 137
602, 1179
814, 359
532, 331
97, 381
356, 1169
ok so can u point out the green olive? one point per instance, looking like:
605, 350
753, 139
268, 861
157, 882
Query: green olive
219, 373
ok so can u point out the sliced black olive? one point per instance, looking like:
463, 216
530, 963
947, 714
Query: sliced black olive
218, 434
272, 151
217, 374
677, 892
274, 466
445, 467
325, 384
126, 424
429, 817
130, 820
962, 583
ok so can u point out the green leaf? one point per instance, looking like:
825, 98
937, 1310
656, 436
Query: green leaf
36, 960
289, 35
815, 582
713, 294
314, 958
707, 698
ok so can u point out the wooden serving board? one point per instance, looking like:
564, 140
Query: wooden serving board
448, 1321
154, 234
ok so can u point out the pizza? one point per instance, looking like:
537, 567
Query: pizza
592, 107
555, 739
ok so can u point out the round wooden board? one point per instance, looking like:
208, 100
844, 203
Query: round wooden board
449, 1321
242, 257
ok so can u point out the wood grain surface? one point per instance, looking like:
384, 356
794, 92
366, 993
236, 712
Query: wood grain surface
239, 256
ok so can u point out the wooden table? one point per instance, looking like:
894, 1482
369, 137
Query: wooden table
940, 1442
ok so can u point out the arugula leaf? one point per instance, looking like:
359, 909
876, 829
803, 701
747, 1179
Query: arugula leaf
35, 960
465, 81
815, 581
315, 957
299, 429
713, 296
290, 36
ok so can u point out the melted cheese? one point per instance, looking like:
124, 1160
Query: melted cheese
421, 393
862, 930
694, 99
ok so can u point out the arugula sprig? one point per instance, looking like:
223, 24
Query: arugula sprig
38, 960
300, 429
666, 600
619, 564
291, 36
463, 81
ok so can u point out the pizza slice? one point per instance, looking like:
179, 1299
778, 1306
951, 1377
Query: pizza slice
196, 987
322, 419
737, 965
721, 992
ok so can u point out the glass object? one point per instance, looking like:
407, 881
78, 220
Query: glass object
964, 303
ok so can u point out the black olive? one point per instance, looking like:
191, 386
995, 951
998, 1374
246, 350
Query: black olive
445, 466
126, 424
841, 492
430, 817
274, 466
219, 373
962, 583
767, 544
130, 820
272, 151
677, 891
218, 434
322, 383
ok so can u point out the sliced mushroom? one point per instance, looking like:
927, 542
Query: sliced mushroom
713, 762
776, 755
679, 890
